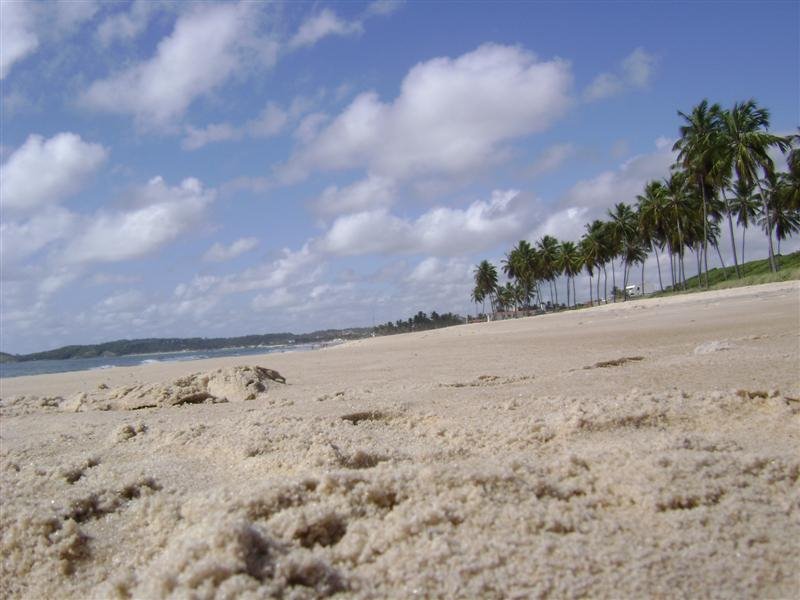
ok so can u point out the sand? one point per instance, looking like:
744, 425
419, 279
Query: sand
644, 449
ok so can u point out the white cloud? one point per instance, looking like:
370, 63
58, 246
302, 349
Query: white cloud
383, 7
366, 194
275, 299
451, 117
126, 26
440, 231
638, 67
164, 213
566, 224
551, 159
309, 127
206, 48
624, 184
46, 171
219, 252
18, 37
293, 267
322, 25
25, 26
219, 132
271, 121
20, 240
70, 15
636, 72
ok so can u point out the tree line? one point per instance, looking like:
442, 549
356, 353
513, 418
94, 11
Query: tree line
723, 172
419, 322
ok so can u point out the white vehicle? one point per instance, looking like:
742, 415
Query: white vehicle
633, 290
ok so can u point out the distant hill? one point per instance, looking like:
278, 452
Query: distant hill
158, 345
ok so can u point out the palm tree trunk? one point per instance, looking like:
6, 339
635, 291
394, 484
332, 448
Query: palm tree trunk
744, 231
705, 231
624, 281
683, 267
613, 281
658, 264
671, 264
721, 260
698, 255
643, 278
555, 288
605, 283
598, 287
733, 238
574, 293
591, 283
772, 265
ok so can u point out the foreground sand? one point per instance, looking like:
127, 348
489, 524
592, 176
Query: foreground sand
638, 450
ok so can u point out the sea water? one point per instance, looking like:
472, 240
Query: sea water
40, 367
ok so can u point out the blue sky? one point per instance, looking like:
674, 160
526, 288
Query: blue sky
216, 169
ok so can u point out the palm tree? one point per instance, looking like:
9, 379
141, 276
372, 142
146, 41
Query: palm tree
520, 264
622, 229
486, 281
568, 261
591, 251
697, 148
653, 220
745, 145
677, 206
780, 215
548, 262
745, 206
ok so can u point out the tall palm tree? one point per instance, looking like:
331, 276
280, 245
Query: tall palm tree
677, 205
548, 262
568, 262
653, 220
622, 229
780, 215
591, 251
486, 281
745, 145
520, 265
745, 206
698, 147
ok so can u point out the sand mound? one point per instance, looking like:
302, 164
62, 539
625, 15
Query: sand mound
232, 384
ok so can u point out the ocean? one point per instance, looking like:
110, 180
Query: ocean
41, 367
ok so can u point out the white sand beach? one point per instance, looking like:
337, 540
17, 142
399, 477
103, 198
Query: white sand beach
641, 449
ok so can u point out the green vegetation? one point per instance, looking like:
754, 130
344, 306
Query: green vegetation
160, 345
724, 171
753, 273
419, 322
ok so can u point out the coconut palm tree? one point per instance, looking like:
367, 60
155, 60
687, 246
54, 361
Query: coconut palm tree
548, 263
745, 145
622, 228
520, 265
486, 282
677, 206
698, 147
591, 250
651, 210
568, 262
780, 215
746, 206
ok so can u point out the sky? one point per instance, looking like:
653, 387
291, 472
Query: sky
219, 169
